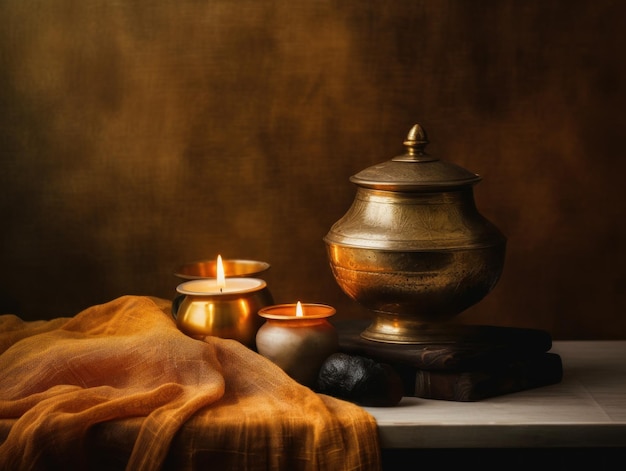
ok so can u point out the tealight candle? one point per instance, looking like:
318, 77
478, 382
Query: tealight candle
298, 338
209, 287
222, 307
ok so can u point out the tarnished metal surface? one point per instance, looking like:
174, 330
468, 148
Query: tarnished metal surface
413, 247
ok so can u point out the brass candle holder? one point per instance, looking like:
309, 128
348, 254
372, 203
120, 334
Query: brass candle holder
233, 268
221, 299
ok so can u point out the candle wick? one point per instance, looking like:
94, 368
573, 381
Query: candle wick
221, 289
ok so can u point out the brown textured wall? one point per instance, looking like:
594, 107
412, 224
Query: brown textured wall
138, 135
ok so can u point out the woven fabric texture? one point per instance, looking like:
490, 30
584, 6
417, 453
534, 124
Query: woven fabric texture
119, 386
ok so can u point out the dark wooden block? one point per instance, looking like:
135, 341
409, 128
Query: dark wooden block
537, 370
472, 346
479, 362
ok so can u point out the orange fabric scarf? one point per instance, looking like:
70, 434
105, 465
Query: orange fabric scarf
70, 386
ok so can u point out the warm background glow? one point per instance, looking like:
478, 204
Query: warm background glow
136, 136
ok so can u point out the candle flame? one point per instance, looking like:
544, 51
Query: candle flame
221, 278
299, 311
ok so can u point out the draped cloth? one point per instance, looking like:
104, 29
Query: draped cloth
119, 386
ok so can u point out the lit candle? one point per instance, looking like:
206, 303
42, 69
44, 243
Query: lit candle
214, 288
219, 285
298, 338
222, 307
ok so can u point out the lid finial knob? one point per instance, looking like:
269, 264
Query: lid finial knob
415, 143
417, 138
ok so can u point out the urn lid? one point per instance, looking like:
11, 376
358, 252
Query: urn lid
415, 170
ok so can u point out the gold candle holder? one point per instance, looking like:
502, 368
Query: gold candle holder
233, 268
229, 312
298, 338
215, 303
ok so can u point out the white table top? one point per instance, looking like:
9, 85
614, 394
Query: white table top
586, 409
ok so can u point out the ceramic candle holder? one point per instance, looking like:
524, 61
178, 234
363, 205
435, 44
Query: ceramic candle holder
298, 344
206, 309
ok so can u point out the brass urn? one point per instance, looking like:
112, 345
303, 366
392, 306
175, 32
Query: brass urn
413, 248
